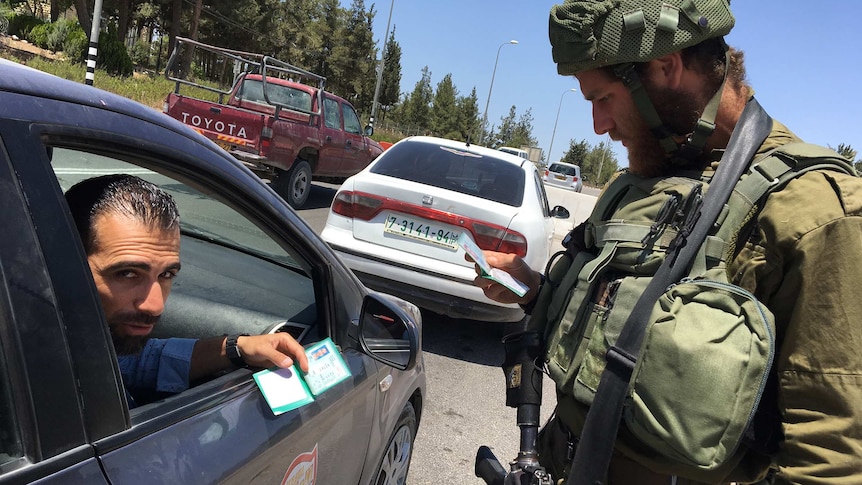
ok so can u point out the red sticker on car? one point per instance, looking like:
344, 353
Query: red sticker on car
303, 470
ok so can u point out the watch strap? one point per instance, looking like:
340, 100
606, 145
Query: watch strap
232, 350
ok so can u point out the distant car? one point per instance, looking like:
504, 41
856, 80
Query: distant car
249, 265
515, 151
566, 175
396, 222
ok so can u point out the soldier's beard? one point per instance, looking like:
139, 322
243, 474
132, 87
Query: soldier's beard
678, 110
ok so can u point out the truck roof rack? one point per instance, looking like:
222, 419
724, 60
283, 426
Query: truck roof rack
244, 63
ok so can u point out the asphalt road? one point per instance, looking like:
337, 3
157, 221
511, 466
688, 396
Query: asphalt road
466, 389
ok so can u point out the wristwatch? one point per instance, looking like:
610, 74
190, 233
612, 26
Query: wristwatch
232, 350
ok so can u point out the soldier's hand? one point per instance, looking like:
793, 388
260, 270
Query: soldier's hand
513, 265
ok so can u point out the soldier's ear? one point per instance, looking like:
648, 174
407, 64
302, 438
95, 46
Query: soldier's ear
667, 71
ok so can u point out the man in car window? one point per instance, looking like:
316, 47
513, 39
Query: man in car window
131, 234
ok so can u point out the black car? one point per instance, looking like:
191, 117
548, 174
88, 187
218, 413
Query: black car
249, 265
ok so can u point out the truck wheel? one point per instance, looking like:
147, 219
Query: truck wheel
294, 185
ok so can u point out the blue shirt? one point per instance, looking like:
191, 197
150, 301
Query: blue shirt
160, 369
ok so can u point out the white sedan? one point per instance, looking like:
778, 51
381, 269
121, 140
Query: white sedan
396, 223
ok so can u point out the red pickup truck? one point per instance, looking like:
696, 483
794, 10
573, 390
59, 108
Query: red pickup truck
277, 119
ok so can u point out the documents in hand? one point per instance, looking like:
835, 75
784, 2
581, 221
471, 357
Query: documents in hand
290, 388
494, 274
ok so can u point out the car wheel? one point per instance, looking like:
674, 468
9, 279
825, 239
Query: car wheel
396, 460
294, 185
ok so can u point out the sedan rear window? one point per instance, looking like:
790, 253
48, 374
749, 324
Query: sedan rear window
563, 169
454, 169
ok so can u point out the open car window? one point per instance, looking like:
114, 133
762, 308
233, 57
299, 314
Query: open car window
234, 279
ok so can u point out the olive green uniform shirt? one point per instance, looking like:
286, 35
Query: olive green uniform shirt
804, 261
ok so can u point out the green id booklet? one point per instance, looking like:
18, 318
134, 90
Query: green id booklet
290, 388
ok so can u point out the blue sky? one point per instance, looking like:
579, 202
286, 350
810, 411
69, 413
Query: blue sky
803, 60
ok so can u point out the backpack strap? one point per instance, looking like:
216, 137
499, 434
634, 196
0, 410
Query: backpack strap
769, 173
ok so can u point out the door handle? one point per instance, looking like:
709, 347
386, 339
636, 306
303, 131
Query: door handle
328, 138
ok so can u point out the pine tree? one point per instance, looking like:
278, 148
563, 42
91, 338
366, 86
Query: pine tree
444, 112
390, 88
469, 123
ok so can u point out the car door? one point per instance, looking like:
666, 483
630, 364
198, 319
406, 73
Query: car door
333, 137
249, 264
356, 154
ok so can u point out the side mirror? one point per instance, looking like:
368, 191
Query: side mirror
560, 212
389, 330
369, 130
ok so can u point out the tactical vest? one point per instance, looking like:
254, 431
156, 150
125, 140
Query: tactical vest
590, 292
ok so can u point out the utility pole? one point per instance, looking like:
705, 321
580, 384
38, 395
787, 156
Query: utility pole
94, 44
380, 70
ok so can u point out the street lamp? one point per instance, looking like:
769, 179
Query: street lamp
488, 101
380, 70
554, 133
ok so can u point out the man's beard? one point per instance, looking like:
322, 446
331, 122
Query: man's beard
678, 111
130, 344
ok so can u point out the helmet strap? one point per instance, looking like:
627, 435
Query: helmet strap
678, 153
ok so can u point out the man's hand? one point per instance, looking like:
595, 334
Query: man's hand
276, 349
516, 267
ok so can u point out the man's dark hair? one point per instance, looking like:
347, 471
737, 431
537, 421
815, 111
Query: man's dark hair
123, 195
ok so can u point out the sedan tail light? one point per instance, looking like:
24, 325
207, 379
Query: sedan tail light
356, 205
490, 237
496, 238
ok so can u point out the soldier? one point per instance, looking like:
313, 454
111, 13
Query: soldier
662, 81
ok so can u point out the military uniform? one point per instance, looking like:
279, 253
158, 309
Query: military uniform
801, 260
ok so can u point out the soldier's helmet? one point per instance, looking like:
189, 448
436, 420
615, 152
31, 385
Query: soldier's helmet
589, 34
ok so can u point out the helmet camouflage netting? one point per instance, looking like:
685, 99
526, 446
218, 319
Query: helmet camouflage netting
588, 34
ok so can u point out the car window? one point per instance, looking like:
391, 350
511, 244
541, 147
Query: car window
252, 90
540, 192
459, 170
351, 120
257, 286
10, 440
331, 115
563, 169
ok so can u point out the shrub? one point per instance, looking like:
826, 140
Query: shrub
38, 35
76, 45
21, 25
60, 32
140, 54
112, 55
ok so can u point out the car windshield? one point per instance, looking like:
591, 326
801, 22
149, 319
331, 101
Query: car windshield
563, 169
454, 169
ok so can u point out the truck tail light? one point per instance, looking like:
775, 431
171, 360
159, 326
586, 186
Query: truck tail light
265, 140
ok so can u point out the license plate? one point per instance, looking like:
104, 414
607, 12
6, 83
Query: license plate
559, 177
224, 146
421, 231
